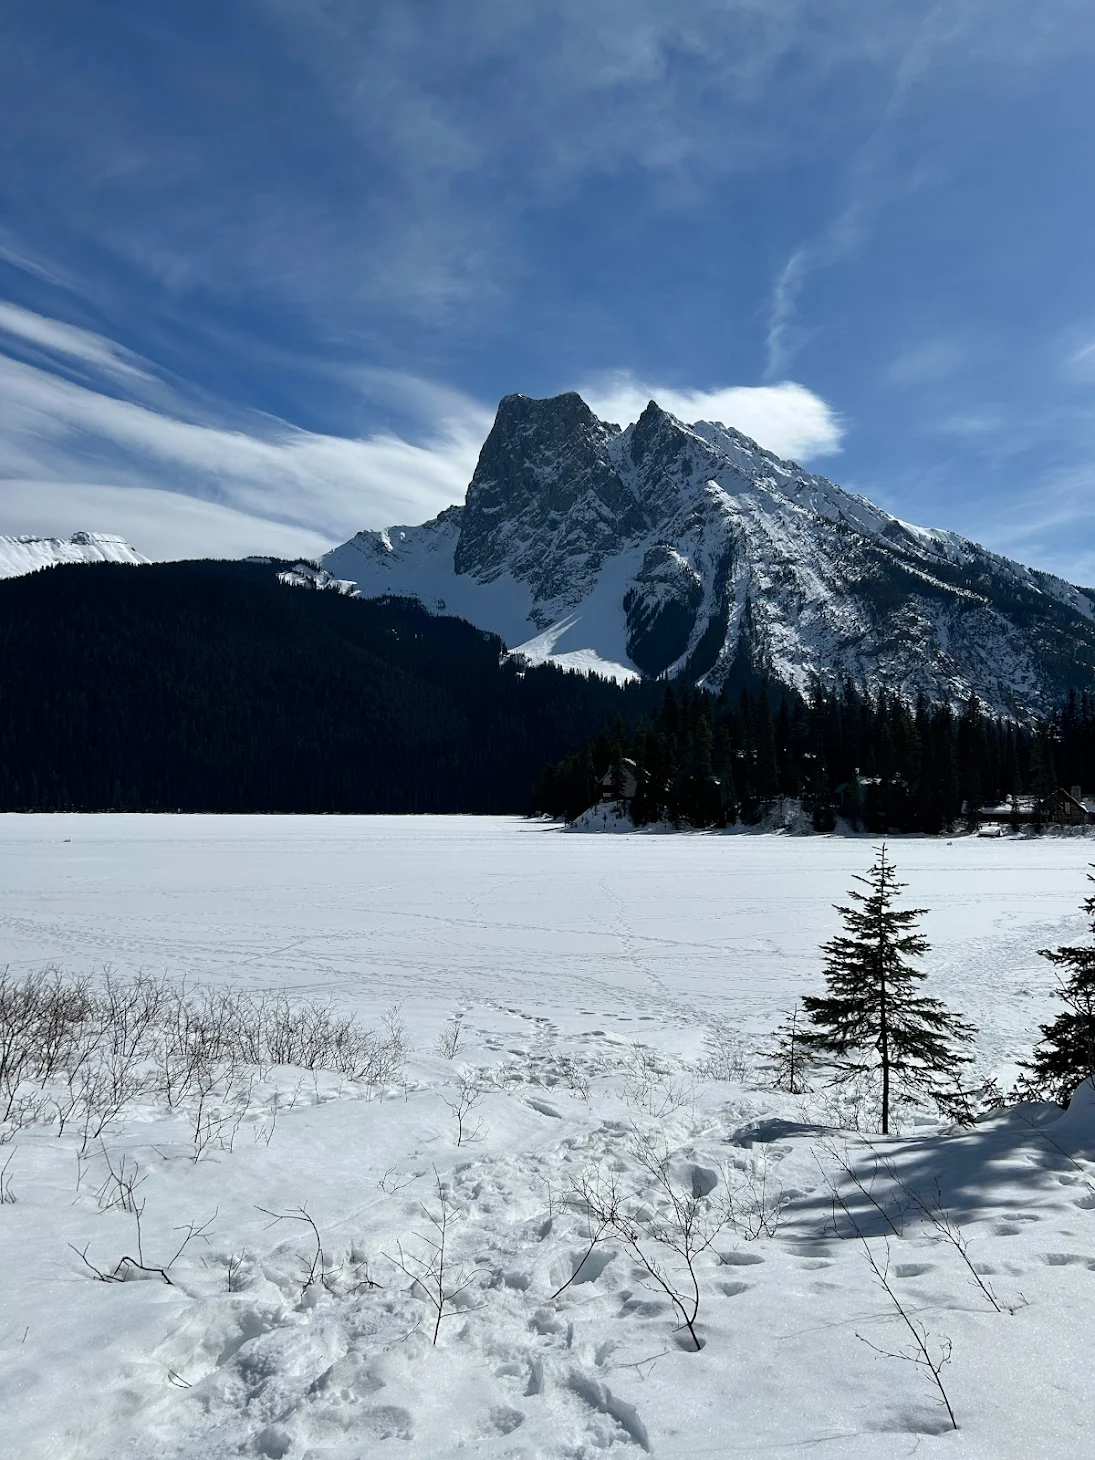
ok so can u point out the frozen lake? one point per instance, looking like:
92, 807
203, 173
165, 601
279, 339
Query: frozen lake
456, 911
588, 970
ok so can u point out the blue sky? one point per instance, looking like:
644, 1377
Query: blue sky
267, 267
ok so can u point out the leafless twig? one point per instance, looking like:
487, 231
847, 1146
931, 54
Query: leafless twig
467, 1097
920, 1352
431, 1274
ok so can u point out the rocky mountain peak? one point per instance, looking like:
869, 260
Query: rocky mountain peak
558, 416
690, 550
545, 491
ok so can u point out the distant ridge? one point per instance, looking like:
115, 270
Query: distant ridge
19, 555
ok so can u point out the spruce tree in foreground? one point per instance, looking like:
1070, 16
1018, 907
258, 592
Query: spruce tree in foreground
1065, 1056
874, 1018
789, 1059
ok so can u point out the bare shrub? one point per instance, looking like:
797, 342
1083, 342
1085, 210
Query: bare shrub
652, 1086
947, 1229
119, 1190
894, 1211
7, 1196
448, 1041
891, 1212
666, 1239
120, 1185
341, 1278
759, 1200
599, 1223
851, 1103
76, 1052
928, 1354
573, 1076
727, 1055
223, 1099
662, 1097
430, 1270
643, 1068
41, 1018
466, 1098
393, 1181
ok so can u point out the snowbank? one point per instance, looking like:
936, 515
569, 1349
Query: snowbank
789, 818
786, 817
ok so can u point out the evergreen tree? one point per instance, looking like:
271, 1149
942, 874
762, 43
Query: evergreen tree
701, 759
824, 817
789, 1058
766, 769
1065, 1056
874, 1017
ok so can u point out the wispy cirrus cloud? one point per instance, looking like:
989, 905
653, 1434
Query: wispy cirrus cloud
55, 338
783, 336
1054, 529
986, 36
69, 435
399, 146
926, 362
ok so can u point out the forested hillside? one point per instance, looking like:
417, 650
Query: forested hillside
880, 762
207, 686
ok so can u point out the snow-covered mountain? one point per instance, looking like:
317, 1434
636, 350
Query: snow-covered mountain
19, 555
690, 550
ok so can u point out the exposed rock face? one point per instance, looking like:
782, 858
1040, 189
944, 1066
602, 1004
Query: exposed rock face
690, 550
546, 502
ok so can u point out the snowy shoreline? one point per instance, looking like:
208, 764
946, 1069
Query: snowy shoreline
789, 819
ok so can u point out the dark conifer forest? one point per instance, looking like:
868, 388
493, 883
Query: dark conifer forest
209, 686
883, 764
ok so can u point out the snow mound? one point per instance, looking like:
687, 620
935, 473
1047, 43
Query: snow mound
1075, 1129
607, 816
786, 817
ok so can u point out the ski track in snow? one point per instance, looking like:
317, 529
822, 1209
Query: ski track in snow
588, 973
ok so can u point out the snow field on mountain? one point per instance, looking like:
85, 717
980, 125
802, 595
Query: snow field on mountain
19, 555
611, 992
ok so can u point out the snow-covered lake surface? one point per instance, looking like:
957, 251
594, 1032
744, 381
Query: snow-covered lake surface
439, 911
607, 988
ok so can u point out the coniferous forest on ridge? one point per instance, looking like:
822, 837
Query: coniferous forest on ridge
209, 686
881, 763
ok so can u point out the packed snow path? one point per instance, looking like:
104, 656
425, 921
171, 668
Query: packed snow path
611, 991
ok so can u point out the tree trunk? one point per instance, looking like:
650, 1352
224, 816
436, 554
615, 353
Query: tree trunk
883, 1025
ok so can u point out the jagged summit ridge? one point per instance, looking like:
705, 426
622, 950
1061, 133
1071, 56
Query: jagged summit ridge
669, 548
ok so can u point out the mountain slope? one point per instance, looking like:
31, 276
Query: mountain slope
691, 551
19, 555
